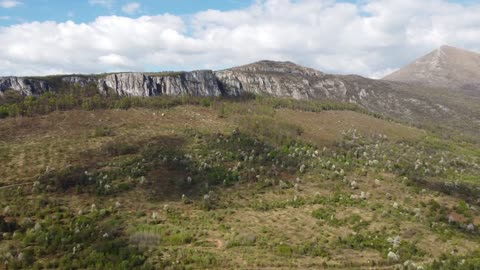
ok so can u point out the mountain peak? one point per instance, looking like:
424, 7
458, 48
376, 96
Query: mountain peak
447, 47
269, 66
447, 66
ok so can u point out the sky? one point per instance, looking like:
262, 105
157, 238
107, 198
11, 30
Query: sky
371, 38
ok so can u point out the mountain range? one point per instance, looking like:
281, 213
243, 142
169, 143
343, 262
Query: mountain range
441, 88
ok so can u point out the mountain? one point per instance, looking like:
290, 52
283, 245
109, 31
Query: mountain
402, 101
446, 66
195, 83
407, 102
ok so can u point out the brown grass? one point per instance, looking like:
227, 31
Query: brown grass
325, 128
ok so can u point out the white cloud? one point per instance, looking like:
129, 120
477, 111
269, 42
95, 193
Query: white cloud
131, 8
9, 3
370, 38
115, 60
105, 3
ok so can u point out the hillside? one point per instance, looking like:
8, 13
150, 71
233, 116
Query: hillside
446, 67
421, 105
211, 183
427, 106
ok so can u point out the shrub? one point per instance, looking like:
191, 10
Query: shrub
4, 112
124, 103
10, 97
70, 177
125, 186
119, 149
178, 238
102, 132
7, 226
284, 250
218, 175
206, 102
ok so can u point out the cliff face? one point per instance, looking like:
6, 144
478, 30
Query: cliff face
196, 83
405, 101
290, 80
23, 85
281, 79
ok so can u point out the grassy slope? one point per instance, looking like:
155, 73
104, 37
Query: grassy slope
267, 219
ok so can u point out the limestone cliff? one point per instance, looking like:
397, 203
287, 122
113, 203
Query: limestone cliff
25, 86
405, 101
196, 83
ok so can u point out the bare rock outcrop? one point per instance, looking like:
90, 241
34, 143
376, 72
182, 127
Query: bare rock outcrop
25, 86
195, 83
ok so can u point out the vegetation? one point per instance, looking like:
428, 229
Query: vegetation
94, 182
13, 104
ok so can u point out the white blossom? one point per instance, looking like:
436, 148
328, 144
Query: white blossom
392, 256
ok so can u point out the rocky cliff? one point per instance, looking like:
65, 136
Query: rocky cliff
25, 86
414, 103
196, 83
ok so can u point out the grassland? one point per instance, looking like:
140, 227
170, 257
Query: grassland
219, 184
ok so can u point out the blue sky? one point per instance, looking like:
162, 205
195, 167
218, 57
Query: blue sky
366, 37
86, 11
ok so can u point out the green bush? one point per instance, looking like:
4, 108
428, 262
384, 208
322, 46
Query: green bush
178, 238
124, 103
284, 250
4, 111
119, 149
68, 178
206, 102
102, 132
